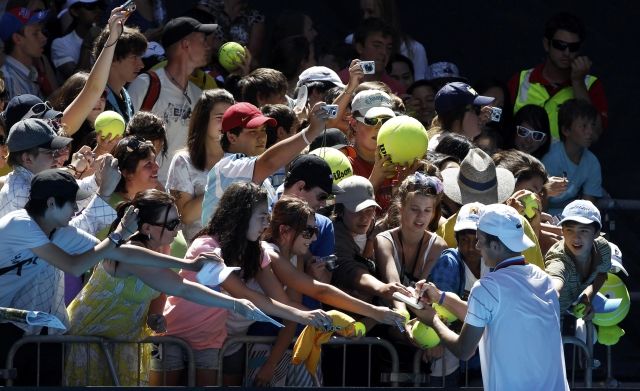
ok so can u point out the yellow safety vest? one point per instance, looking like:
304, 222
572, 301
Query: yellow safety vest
536, 94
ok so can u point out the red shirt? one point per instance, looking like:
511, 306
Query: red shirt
596, 92
384, 194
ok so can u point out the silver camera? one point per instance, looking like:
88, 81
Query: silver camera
330, 111
496, 114
368, 67
129, 6
330, 262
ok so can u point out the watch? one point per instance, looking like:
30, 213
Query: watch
116, 238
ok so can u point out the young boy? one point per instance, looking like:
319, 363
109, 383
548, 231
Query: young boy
579, 263
571, 157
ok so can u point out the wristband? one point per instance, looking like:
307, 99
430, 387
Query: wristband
442, 297
304, 137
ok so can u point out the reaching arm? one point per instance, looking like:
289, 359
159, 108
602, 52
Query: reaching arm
76, 113
189, 206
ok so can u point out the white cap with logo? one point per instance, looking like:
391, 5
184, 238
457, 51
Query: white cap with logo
468, 216
504, 222
372, 104
581, 211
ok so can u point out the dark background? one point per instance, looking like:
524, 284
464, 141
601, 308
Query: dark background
494, 38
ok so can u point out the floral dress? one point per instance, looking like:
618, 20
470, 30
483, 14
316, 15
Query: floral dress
113, 308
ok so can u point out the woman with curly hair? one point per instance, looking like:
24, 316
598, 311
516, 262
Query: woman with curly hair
233, 232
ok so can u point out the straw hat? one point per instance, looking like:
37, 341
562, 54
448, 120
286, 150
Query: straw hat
478, 180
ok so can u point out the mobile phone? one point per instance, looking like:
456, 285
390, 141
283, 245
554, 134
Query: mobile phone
129, 6
368, 67
410, 301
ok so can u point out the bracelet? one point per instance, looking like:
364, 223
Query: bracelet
304, 137
106, 45
442, 297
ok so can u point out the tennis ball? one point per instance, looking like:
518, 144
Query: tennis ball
444, 313
424, 335
578, 310
613, 288
339, 163
530, 203
109, 124
404, 139
406, 315
359, 329
230, 55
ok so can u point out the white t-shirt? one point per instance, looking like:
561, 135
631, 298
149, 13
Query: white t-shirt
174, 106
233, 167
521, 348
184, 177
66, 49
26, 281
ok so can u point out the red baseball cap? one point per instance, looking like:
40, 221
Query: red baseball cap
244, 115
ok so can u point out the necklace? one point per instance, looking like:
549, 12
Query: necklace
184, 90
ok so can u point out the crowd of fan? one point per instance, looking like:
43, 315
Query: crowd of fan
214, 169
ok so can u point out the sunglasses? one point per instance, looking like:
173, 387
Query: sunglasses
169, 225
37, 110
534, 134
309, 231
562, 45
419, 181
51, 152
373, 121
135, 144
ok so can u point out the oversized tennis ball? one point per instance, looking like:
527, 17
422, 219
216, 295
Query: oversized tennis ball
338, 161
230, 55
530, 205
444, 313
109, 124
359, 329
404, 139
613, 288
424, 335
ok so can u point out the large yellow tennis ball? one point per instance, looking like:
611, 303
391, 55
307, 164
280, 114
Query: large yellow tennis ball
338, 161
424, 335
109, 124
444, 313
613, 288
359, 329
404, 139
230, 55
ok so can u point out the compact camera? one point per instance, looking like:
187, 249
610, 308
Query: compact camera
330, 262
330, 111
496, 114
129, 6
368, 67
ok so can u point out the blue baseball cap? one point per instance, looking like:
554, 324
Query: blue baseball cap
16, 18
458, 94
581, 211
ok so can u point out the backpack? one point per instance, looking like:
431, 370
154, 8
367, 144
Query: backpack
153, 92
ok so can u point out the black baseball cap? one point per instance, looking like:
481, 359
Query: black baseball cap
178, 28
53, 183
31, 133
314, 171
456, 95
20, 105
332, 137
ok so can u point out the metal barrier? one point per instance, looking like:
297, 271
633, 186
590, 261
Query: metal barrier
104, 344
247, 340
587, 349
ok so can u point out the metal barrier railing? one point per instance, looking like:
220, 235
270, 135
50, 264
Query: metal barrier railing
105, 344
247, 340
587, 349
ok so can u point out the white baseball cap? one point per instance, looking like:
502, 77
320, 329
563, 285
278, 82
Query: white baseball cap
504, 222
616, 259
468, 216
581, 211
372, 104
319, 73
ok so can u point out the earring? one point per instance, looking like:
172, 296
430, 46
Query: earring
149, 236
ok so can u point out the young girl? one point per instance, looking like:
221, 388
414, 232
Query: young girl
233, 231
137, 163
291, 231
115, 301
187, 175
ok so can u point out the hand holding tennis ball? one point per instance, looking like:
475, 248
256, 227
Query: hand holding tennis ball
231, 55
424, 335
109, 125
444, 313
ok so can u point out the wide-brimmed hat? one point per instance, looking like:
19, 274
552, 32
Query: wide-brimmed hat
478, 180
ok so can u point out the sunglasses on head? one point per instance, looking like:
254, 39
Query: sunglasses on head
373, 121
562, 45
169, 225
37, 110
309, 231
534, 134
136, 143
419, 181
